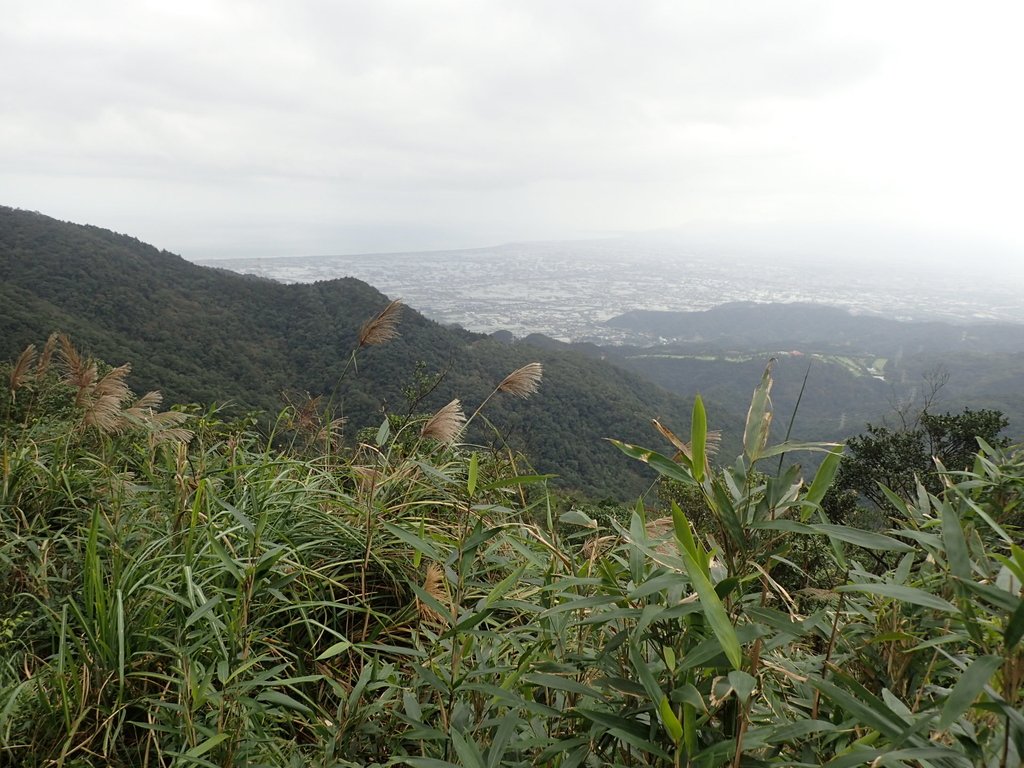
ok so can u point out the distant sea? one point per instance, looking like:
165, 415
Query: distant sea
569, 290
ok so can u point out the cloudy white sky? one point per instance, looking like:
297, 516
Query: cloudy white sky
216, 128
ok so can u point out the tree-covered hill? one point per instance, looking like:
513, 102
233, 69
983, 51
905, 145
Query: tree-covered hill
795, 325
862, 368
207, 335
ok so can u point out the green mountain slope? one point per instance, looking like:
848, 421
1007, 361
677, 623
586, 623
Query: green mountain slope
861, 367
206, 335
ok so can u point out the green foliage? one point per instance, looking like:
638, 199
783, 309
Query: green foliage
225, 599
899, 459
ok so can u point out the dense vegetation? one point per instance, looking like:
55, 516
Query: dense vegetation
205, 335
188, 592
862, 368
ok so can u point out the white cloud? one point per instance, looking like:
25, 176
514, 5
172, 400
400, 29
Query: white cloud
216, 128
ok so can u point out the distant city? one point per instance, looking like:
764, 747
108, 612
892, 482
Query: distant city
568, 290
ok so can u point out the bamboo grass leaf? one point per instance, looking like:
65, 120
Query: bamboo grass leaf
668, 718
971, 683
855, 536
1014, 628
472, 473
684, 534
663, 465
793, 446
910, 595
955, 542
714, 611
759, 417
698, 439
467, 750
824, 476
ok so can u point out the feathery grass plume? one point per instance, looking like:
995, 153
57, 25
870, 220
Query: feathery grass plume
383, 327
433, 585
524, 381
105, 408
80, 372
166, 428
307, 413
47, 354
447, 424
145, 407
21, 373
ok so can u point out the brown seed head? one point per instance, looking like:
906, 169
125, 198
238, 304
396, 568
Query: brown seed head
447, 424
22, 373
383, 327
524, 381
433, 585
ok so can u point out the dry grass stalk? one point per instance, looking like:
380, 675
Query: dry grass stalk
524, 381
447, 424
21, 374
433, 585
383, 327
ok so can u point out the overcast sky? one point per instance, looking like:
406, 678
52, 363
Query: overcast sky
219, 129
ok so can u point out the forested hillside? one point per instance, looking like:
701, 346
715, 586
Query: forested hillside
210, 336
860, 368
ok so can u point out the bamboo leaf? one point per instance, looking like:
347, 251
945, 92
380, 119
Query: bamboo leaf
899, 592
714, 611
794, 446
759, 417
1014, 628
954, 541
283, 700
698, 439
684, 535
472, 473
857, 536
337, 648
971, 683
661, 464
203, 747
467, 750
824, 476
673, 727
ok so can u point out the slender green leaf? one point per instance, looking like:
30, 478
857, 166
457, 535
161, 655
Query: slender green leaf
714, 611
698, 439
900, 592
337, 648
684, 534
824, 476
472, 473
759, 417
673, 727
467, 750
661, 464
954, 541
1014, 628
856, 536
971, 683
205, 746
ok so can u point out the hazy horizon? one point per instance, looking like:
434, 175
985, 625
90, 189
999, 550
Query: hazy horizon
873, 133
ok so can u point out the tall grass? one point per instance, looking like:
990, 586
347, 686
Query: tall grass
219, 598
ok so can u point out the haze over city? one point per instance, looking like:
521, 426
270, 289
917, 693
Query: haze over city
831, 132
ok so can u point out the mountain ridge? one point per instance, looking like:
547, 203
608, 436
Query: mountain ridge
207, 335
